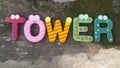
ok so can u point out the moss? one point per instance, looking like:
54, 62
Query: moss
5, 29
92, 7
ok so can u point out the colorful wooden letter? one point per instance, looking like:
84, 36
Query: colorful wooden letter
34, 19
15, 20
52, 33
103, 19
77, 29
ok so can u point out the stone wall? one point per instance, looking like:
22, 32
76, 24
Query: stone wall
23, 54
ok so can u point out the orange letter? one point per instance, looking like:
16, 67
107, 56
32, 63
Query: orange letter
52, 33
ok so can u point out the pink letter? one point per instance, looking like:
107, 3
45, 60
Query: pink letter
34, 19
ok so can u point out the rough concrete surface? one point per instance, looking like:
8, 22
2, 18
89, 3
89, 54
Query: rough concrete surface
105, 58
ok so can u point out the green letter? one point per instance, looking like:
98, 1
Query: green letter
77, 29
